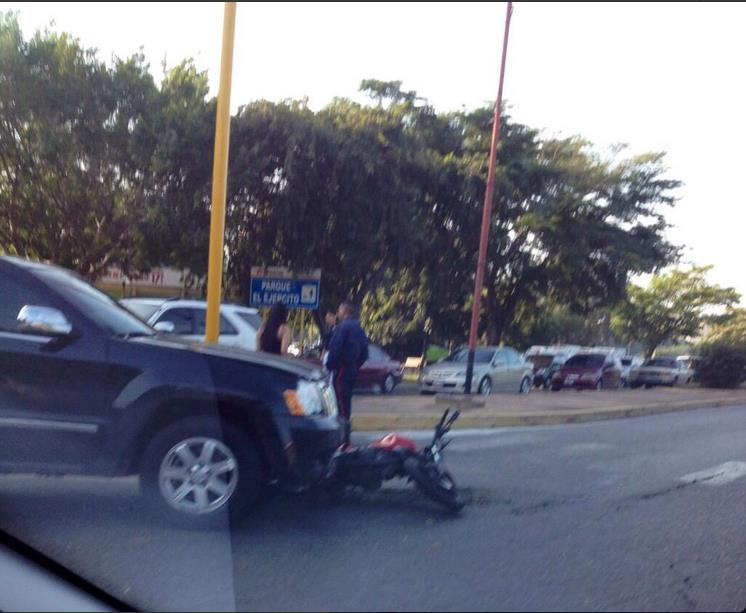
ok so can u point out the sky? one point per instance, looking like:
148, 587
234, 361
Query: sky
656, 76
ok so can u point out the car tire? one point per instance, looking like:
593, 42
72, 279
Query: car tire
427, 393
648, 386
212, 498
526, 386
388, 385
485, 387
556, 388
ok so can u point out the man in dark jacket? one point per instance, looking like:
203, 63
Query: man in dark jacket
348, 351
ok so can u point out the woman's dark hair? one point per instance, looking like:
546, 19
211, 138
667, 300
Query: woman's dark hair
278, 315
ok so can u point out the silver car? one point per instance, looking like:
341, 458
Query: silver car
660, 371
496, 369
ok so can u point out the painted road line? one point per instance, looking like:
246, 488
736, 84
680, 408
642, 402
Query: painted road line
717, 475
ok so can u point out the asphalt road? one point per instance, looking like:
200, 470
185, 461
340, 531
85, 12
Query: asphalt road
634, 515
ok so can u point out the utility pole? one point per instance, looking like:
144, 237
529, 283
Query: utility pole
487, 212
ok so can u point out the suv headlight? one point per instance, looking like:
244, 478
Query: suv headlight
306, 400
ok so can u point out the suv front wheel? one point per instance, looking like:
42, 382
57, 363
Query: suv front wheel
196, 470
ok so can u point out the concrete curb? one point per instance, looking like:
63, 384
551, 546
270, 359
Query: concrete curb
480, 418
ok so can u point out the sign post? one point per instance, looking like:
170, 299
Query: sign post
220, 177
273, 284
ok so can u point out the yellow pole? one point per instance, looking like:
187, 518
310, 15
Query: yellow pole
220, 177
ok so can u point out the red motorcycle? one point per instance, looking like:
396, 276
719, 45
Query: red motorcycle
395, 456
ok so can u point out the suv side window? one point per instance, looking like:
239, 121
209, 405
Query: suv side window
200, 315
512, 357
181, 319
12, 299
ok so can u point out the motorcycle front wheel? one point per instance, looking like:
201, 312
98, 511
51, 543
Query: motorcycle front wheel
436, 485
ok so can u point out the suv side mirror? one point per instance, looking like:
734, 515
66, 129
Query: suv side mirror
166, 327
43, 320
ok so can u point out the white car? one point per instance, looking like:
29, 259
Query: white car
660, 371
186, 318
496, 369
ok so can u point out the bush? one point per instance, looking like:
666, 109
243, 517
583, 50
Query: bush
722, 365
435, 353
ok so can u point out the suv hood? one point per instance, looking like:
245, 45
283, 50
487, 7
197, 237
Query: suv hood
294, 366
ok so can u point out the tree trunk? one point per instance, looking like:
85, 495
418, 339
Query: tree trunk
493, 328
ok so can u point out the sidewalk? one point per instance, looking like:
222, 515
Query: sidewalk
410, 412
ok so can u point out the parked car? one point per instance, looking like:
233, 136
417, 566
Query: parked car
691, 362
142, 307
589, 371
87, 388
495, 369
186, 318
660, 371
628, 363
380, 372
545, 365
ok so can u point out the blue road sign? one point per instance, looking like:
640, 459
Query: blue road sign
269, 286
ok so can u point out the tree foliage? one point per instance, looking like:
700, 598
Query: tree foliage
100, 165
674, 306
71, 134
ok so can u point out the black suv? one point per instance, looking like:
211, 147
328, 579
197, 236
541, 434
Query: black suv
87, 388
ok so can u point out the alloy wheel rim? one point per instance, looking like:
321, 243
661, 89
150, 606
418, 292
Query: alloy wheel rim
198, 475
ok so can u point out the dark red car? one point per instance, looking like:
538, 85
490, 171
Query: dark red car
380, 372
589, 371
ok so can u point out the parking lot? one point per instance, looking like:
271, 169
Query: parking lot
406, 408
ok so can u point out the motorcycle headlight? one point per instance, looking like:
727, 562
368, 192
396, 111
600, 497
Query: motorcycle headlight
305, 400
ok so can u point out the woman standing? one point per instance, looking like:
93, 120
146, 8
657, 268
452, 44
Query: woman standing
274, 335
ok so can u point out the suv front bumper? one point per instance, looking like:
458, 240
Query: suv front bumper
313, 444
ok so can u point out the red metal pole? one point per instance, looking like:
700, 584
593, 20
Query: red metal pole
487, 210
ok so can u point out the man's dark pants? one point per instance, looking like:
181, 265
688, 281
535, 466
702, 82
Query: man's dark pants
344, 383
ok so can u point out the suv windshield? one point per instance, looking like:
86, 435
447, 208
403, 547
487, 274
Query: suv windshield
541, 361
253, 319
661, 363
590, 360
481, 356
96, 305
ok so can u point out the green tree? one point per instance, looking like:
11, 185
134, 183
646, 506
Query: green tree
729, 329
175, 227
72, 133
674, 306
